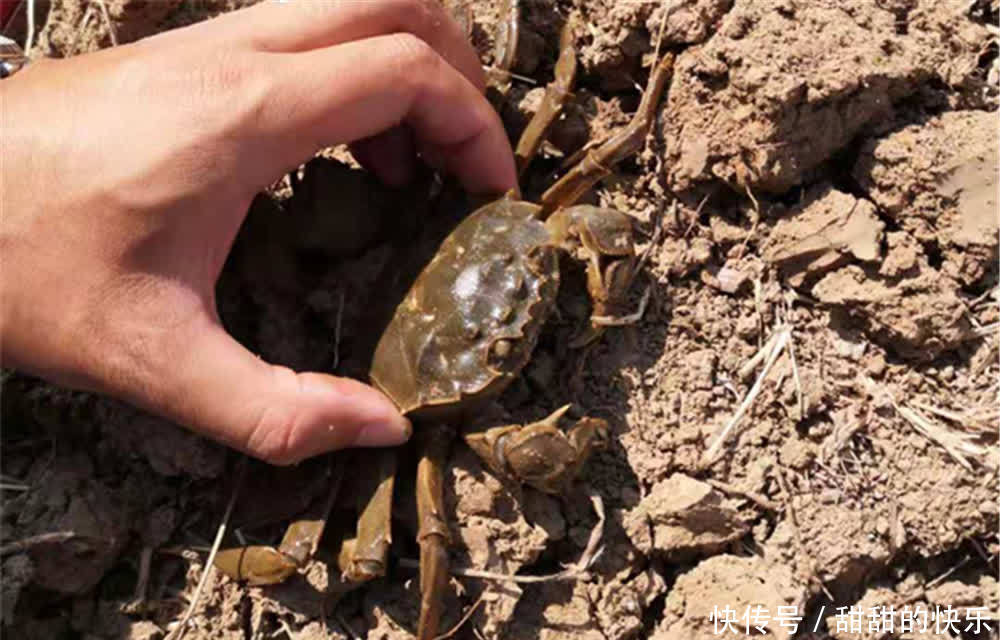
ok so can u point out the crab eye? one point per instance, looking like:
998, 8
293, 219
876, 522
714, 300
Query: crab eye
471, 331
504, 355
501, 349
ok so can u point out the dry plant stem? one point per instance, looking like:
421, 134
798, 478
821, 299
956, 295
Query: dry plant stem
654, 241
659, 35
506, 54
142, 584
29, 40
598, 162
178, 632
976, 302
795, 375
336, 475
753, 497
465, 618
107, 19
287, 630
778, 346
986, 330
841, 435
54, 537
960, 446
753, 229
336, 332
956, 445
757, 358
348, 629
10, 19
82, 28
790, 510
497, 71
947, 573
983, 419
590, 555
621, 321
979, 549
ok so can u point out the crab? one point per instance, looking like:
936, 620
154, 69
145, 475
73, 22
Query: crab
465, 330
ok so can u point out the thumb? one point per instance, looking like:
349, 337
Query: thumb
270, 412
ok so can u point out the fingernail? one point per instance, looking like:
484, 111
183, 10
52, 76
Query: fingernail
384, 434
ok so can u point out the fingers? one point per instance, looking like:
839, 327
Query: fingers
319, 98
223, 391
311, 24
390, 155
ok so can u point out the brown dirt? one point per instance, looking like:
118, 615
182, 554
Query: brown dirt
826, 169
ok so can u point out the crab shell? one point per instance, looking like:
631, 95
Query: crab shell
469, 323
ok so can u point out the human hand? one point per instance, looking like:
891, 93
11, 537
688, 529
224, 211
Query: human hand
127, 173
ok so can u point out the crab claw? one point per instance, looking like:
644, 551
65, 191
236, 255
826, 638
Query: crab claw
540, 454
258, 565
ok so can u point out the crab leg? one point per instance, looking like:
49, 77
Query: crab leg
598, 162
432, 534
556, 95
260, 565
374, 533
505, 53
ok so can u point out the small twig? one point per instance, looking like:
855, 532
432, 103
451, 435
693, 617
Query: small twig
795, 375
975, 303
589, 556
54, 537
621, 321
979, 549
776, 349
654, 239
753, 229
659, 35
986, 330
181, 628
465, 618
336, 331
29, 40
285, 629
951, 442
84, 23
762, 353
13, 15
14, 486
569, 574
348, 629
790, 510
786, 489
138, 602
947, 573
107, 19
755, 498
696, 216
842, 433
758, 303
497, 70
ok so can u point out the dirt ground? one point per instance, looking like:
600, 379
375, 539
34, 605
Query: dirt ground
805, 415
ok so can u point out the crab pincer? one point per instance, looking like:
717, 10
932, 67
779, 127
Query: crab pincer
466, 328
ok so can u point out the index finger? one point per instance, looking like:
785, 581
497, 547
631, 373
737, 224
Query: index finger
289, 27
358, 89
